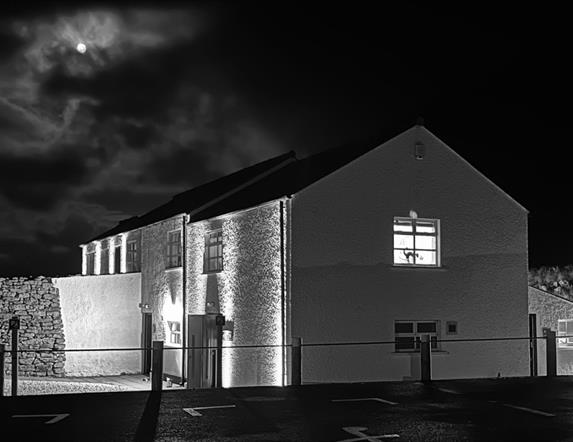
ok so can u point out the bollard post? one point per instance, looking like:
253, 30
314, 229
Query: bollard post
14, 325
551, 353
296, 361
2, 349
426, 359
157, 366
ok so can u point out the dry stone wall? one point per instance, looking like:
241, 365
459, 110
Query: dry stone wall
37, 303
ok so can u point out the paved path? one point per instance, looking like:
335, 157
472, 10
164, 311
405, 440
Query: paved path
524, 409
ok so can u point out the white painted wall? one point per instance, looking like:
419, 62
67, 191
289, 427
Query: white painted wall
101, 312
345, 287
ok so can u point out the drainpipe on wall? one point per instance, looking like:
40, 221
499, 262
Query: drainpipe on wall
184, 296
282, 227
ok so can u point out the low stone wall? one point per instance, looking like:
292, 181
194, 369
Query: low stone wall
37, 303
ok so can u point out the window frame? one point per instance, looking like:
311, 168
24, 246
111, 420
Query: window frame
174, 332
90, 263
218, 257
132, 265
174, 250
416, 336
565, 342
414, 234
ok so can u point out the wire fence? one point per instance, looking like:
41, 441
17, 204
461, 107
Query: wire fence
545, 357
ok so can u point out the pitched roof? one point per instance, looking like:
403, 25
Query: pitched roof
202, 196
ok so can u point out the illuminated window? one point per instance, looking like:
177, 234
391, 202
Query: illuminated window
90, 259
564, 330
174, 332
213, 261
408, 334
174, 249
104, 269
132, 257
416, 242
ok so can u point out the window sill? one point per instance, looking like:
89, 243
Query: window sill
170, 269
414, 267
410, 353
214, 272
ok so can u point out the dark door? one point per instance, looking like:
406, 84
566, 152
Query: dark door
203, 359
146, 343
532, 344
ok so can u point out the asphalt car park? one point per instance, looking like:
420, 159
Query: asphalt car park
524, 409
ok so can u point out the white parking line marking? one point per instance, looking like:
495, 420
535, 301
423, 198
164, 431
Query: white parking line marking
530, 410
193, 411
56, 417
447, 390
384, 401
359, 431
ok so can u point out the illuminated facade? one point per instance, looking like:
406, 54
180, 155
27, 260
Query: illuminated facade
383, 244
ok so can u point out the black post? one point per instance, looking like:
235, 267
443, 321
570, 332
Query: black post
2, 349
14, 325
551, 353
219, 322
296, 361
157, 366
425, 359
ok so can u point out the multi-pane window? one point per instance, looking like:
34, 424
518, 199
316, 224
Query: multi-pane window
213, 261
565, 329
408, 334
132, 257
104, 269
174, 249
174, 332
90, 260
416, 242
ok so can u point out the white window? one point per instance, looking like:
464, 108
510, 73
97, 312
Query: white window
213, 257
132, 257
174, 249
408, 334
174, 332
565, 329
416, 242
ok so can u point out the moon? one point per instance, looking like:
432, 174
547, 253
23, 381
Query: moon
81, 48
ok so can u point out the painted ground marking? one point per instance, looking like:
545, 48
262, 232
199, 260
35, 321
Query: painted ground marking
529, 410
359, 431
263, 399
377, 399
55, 417
193, 411
447, 390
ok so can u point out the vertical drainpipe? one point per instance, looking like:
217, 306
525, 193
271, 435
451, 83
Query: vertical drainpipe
183, 296
282, 226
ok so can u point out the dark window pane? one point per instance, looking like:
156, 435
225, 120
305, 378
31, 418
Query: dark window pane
404, 327
404, 343
426, 327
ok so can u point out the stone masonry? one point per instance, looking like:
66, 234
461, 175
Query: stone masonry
37, 303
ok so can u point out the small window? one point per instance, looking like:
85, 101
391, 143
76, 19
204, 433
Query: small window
451, 328
174, 249
416, 242
132, 257
90, 261
104, 269
408, 335
213, 261
565, 332
174, 332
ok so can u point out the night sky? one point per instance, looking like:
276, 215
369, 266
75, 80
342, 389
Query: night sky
167, 97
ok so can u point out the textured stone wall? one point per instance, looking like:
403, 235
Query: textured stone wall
36, 302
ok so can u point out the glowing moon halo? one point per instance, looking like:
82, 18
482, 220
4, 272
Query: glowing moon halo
81, 48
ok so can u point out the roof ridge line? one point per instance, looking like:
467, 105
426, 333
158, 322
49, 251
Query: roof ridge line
288, 160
